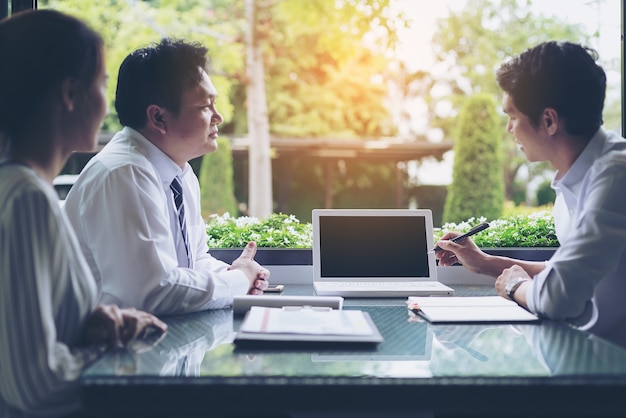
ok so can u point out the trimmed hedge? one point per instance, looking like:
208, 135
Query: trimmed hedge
477, 181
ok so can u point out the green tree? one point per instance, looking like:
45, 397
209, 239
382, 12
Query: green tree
324, 79
217, 191
128, 25
477, 187
324, 64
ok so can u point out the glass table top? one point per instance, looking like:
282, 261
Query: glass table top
201, 345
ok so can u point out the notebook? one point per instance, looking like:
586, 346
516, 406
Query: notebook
374, 253
469, 309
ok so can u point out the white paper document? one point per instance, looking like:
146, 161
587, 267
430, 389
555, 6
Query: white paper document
306, 321
469, 309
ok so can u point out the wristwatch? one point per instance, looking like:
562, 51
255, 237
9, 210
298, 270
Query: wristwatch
512, 286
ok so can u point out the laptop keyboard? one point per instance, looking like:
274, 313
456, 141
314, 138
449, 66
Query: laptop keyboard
367, 285
381, 289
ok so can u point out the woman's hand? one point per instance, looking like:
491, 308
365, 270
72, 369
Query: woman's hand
108, 324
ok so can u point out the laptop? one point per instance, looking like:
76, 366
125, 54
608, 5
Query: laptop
374, 253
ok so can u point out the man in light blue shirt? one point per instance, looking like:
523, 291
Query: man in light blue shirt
554, 95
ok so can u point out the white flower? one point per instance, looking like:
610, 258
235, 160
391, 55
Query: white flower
244, 221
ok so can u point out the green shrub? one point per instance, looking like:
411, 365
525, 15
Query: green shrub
524, 230
545, 193
275, 231
286, 231
477, 182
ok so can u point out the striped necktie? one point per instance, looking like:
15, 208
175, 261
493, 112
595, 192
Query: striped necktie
177, 190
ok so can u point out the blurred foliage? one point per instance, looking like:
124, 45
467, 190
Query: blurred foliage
511, 209
217, 191
325, 65
128, 25
324, 60
545, 193
429, 196
477, 185
356, 184
523, 230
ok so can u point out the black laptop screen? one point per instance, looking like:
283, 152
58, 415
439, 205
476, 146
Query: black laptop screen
373, 246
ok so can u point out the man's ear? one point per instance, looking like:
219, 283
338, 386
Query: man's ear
156, 118
550, 119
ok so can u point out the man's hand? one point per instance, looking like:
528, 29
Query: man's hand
108, 324
465, 252
509, 274
257, 274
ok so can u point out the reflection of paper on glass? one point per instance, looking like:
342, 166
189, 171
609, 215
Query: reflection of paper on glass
306, 321
403, 342
469, 309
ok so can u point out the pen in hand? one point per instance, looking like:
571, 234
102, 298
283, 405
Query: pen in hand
473, 231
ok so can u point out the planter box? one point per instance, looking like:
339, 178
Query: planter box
294, 265
286, 265
523, 253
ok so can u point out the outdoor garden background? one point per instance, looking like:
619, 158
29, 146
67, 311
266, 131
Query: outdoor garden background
343, 71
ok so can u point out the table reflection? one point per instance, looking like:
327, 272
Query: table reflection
454, 337
565, 351
182, 350
201, 345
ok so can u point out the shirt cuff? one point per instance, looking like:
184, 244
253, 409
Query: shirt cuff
530, 297
227, 285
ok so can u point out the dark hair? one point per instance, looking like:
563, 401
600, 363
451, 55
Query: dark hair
40, 49
158, 74
560, 75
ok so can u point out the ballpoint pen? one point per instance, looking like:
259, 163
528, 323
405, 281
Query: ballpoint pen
473, 231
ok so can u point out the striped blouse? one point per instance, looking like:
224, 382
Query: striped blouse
46, 292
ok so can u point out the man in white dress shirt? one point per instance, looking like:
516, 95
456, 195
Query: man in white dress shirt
136, 205
554, 95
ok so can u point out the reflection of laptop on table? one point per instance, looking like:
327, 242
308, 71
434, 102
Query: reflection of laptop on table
374, 253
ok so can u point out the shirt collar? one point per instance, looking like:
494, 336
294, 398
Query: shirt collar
583, 163
164, 165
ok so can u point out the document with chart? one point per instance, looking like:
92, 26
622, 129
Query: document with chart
307, 324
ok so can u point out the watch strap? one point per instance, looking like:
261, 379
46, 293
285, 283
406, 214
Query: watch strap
512, 286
